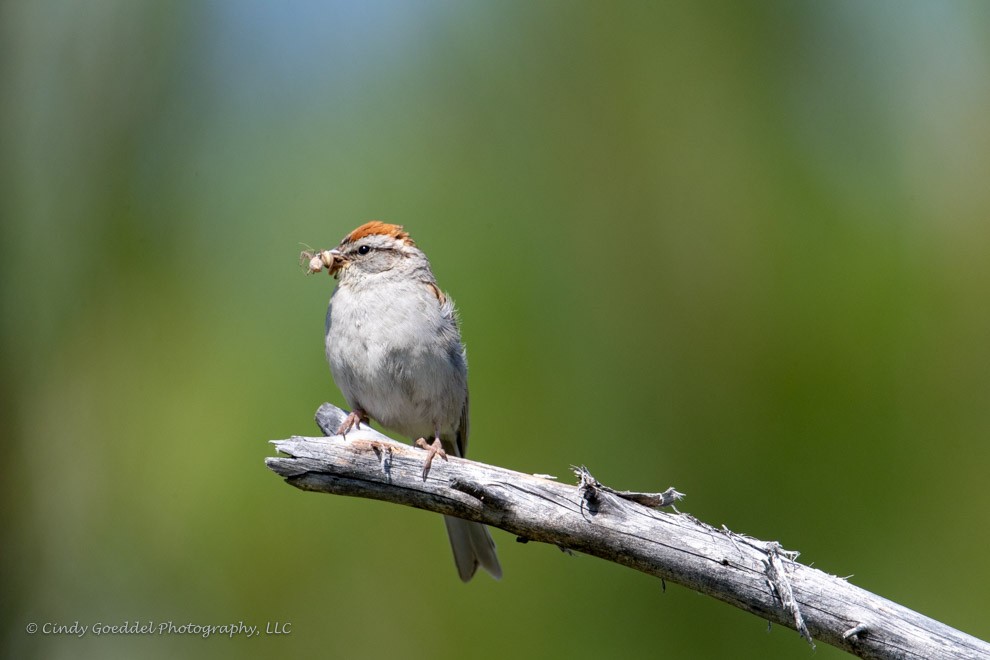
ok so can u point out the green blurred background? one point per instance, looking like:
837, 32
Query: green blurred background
737, 248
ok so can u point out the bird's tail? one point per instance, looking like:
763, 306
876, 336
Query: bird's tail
473, 546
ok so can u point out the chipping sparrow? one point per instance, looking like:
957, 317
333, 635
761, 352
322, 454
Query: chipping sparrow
396, 354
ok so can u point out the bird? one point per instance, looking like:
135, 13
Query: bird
395, 352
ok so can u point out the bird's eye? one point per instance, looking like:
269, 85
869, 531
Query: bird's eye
364, 249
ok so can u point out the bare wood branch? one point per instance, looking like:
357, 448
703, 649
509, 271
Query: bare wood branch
756, 576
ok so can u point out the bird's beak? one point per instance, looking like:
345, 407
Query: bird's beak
334, 261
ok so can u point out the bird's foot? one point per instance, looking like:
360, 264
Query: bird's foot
353, 420
435, 449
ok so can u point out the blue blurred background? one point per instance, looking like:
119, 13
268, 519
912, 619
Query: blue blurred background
737, 248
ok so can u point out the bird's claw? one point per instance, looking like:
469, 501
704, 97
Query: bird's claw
353, 420
435, 449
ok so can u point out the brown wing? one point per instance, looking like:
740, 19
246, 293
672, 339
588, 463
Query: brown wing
462, 429
461, 436
437, 292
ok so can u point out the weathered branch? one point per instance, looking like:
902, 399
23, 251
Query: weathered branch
757, 576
